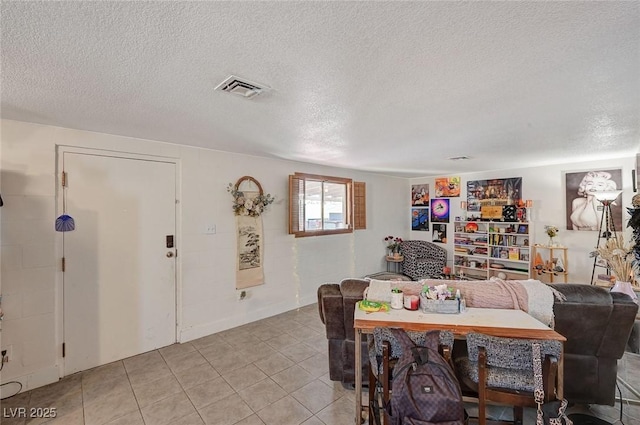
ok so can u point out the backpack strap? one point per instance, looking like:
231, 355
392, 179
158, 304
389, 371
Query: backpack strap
431, 339
418, 353
403, 339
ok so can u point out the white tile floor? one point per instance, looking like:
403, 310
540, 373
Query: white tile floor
270, 372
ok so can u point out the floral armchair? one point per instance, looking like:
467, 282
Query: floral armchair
422, 259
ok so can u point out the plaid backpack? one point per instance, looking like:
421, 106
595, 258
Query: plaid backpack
425, 388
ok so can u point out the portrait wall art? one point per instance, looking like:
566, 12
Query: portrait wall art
583, 210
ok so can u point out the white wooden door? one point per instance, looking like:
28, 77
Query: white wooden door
119, 283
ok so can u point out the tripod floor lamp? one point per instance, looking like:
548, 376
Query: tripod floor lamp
607, 229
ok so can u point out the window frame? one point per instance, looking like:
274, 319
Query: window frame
297, 209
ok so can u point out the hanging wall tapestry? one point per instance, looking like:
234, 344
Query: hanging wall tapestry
249, 201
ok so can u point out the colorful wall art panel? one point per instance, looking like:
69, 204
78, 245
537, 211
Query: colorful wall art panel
440, 211
420, 195
447, 187
420, 219
495, 192
439, 233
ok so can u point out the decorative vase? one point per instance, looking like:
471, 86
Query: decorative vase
625, 288
551, 242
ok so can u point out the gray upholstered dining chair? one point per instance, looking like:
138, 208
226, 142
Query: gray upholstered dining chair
501, 370
384, 351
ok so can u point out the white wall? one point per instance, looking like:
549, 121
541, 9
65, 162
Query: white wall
546, 187
294, 268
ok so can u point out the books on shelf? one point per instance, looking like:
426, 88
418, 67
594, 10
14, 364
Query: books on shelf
480, 251
479, 244
506, 240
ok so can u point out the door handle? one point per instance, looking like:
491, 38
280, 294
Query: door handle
169, 254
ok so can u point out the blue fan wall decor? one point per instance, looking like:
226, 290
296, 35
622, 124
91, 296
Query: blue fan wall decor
65, 223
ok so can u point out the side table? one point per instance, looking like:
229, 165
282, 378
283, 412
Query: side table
547, 263
394, 264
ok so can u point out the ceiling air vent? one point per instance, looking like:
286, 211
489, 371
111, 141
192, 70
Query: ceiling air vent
240, 87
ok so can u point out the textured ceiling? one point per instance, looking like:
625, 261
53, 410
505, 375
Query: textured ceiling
391, 87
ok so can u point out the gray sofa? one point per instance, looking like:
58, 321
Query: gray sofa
596, 323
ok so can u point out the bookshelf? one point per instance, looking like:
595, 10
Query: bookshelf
483, 249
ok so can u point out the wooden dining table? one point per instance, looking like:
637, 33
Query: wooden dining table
489, 321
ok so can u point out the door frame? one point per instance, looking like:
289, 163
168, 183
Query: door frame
59, 237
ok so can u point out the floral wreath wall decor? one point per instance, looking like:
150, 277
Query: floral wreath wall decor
249, 202
249, 205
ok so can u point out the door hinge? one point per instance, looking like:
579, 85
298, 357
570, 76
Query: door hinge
176, 253
64, 349
64, 179
64, 264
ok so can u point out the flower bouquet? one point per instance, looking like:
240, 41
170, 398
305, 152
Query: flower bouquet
393, 244
552, 232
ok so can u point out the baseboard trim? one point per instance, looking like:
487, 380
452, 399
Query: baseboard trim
30, 381
200, 331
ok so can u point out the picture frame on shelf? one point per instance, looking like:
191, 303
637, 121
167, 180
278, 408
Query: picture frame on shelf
491, 212
523, 229
509, 213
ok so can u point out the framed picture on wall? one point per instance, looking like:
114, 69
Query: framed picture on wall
420, 195
583, 210
634, 174
440, 210
420, 219
496, 192
447, 187
439, 233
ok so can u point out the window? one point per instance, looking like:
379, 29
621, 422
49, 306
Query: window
321, 205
